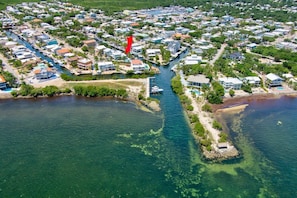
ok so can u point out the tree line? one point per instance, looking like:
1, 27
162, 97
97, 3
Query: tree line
89, 91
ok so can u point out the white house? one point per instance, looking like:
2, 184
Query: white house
153, 52
288, 76
273, 80
106, 66
198, 80
138, 66
231, 83
41, 71
253, 80
193, 59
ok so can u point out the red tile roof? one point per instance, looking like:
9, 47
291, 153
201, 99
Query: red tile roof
2, 79
136, 62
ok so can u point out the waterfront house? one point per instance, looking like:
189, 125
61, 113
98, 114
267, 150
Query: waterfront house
72, 60
193, 59
153, 52
288, 76
198, 80
10, 44
41, 71
273, 80
174, 47
253, 80
3, 84
138, 66
84, 64
231, 83
106, 66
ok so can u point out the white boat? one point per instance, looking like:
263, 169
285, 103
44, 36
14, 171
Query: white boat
156, 89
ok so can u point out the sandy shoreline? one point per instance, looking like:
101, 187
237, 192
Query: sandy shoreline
233, 109
231, 106
230, 103
133, 87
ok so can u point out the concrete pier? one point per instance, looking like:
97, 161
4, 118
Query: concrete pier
148, 86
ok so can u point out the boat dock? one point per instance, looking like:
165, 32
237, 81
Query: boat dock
152, 89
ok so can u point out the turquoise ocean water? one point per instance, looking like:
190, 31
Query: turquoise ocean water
82, 147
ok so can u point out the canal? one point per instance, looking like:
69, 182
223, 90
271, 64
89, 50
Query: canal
39, 54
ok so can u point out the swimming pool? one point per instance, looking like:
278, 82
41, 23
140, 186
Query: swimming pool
197, 92
7, 90
280, 88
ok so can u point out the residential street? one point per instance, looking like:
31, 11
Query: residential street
218, 55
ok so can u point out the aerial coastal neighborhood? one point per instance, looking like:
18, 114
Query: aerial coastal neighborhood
214, 58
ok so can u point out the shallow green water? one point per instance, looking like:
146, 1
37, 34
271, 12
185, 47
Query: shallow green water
81, 147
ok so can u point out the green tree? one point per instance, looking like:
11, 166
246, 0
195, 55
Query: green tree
85, 48
231, 92
217, 125
247, 88
177, 85
196, 34
36, 92
223, 137
25, 89
50, 90
207, 108
17, 63
214, 98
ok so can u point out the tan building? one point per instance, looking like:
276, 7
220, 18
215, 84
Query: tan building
90, 43
84, 64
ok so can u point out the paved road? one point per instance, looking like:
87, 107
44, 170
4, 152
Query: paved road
218, 55
9, 68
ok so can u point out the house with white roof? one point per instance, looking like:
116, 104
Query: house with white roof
253, 80
273, 80
288, 76
231, 83
193, 59
198, 80
152, 52
106, 66
84, 63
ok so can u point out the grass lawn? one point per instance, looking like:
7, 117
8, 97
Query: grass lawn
112, 85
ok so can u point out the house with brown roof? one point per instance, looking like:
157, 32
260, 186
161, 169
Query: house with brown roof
90, 43
62, 52
72, 59
84, 64
3, 84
